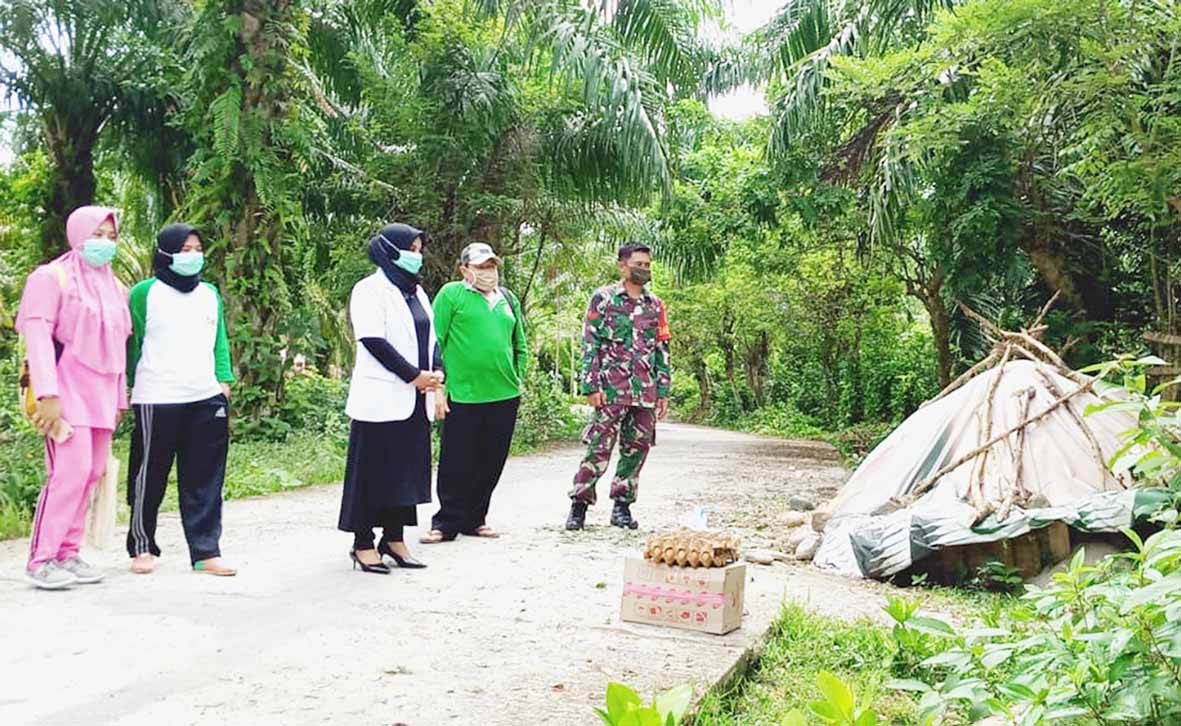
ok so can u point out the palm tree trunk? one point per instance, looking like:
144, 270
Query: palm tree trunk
70, 142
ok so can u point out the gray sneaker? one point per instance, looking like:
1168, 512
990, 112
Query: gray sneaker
86, 573
48, 576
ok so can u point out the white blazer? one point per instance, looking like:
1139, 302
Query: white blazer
378, 309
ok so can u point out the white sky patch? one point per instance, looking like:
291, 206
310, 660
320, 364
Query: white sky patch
745, 102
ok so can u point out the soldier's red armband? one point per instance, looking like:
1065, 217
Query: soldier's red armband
663, 332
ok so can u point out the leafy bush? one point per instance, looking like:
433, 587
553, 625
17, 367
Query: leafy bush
839, 705
800, 646
1151, 451
780, 419
1101, 645
626, 708
996, 575
856, 441
545, 413
314, 405
23, 461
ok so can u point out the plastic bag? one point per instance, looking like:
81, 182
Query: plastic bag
104, 505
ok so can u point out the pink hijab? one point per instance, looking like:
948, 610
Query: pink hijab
94, 320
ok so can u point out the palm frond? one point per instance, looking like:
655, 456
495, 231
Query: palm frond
798, 45
803, 104
615, 149
664, 33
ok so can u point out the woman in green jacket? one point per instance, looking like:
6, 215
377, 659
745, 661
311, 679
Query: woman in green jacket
482, 337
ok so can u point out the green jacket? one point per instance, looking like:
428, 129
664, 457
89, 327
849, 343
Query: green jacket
485, 349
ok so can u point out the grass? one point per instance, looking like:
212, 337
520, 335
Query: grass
253, 468
861, 653
798, 648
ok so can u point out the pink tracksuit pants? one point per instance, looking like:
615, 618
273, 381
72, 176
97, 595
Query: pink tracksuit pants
74, 467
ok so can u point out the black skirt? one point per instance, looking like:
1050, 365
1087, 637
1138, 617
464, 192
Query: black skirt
388, 471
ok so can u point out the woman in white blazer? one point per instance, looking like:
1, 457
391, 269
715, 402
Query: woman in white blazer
391, 402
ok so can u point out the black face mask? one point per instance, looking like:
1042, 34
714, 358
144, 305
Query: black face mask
639, 275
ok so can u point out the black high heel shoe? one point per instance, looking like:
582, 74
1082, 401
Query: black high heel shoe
380, 568
406, 562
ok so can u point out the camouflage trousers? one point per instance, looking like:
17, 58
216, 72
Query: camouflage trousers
635, 427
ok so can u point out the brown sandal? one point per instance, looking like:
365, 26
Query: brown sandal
436, 536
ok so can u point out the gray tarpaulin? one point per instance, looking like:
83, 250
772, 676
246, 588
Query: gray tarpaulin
1059, 468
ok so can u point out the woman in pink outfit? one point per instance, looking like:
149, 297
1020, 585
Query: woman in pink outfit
75, 322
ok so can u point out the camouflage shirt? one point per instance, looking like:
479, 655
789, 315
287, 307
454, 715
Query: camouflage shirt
625, 347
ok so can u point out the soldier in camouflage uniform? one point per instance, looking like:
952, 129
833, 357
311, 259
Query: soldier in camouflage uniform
626, 377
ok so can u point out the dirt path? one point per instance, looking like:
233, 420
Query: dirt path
519, 630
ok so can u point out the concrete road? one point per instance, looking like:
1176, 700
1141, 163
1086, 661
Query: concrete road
524, 629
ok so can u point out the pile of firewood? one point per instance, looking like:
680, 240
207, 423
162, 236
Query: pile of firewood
690, 548
1008, 346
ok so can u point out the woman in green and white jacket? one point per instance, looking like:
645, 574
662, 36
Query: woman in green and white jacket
178, 363
481, 334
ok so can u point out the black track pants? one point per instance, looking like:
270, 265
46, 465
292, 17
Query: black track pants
197, 435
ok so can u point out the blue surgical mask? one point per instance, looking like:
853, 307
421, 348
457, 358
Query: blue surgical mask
99, 251
187, 264
409, 261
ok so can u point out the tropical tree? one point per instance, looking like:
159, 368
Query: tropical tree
522, 117
82, 66
796, 48
1045, 127
250, 116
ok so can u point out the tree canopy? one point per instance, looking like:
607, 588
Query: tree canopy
918, 154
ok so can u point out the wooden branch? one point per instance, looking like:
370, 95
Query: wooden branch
985, 432
1162, 338
1045, 309
967, 376
930, 481
1013, 490
1070, 343
1027, 397
1096, 451
988, 326
1052, 358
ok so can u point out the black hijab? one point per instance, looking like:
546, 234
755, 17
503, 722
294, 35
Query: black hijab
387, 246
171, 240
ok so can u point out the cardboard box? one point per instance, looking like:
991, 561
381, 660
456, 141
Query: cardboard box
705, 599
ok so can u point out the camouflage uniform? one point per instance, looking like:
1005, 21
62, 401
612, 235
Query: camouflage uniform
624, 356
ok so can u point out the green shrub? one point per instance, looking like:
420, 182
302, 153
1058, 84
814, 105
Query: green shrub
1101, 645
800, 646
1151, 451
545, 413
626, 708
23, 467
314, 404
856, 441
780, 420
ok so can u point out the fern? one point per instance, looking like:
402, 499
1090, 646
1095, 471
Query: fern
226, 110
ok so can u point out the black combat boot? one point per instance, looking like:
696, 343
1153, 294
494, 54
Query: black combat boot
577, 518
621, 516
